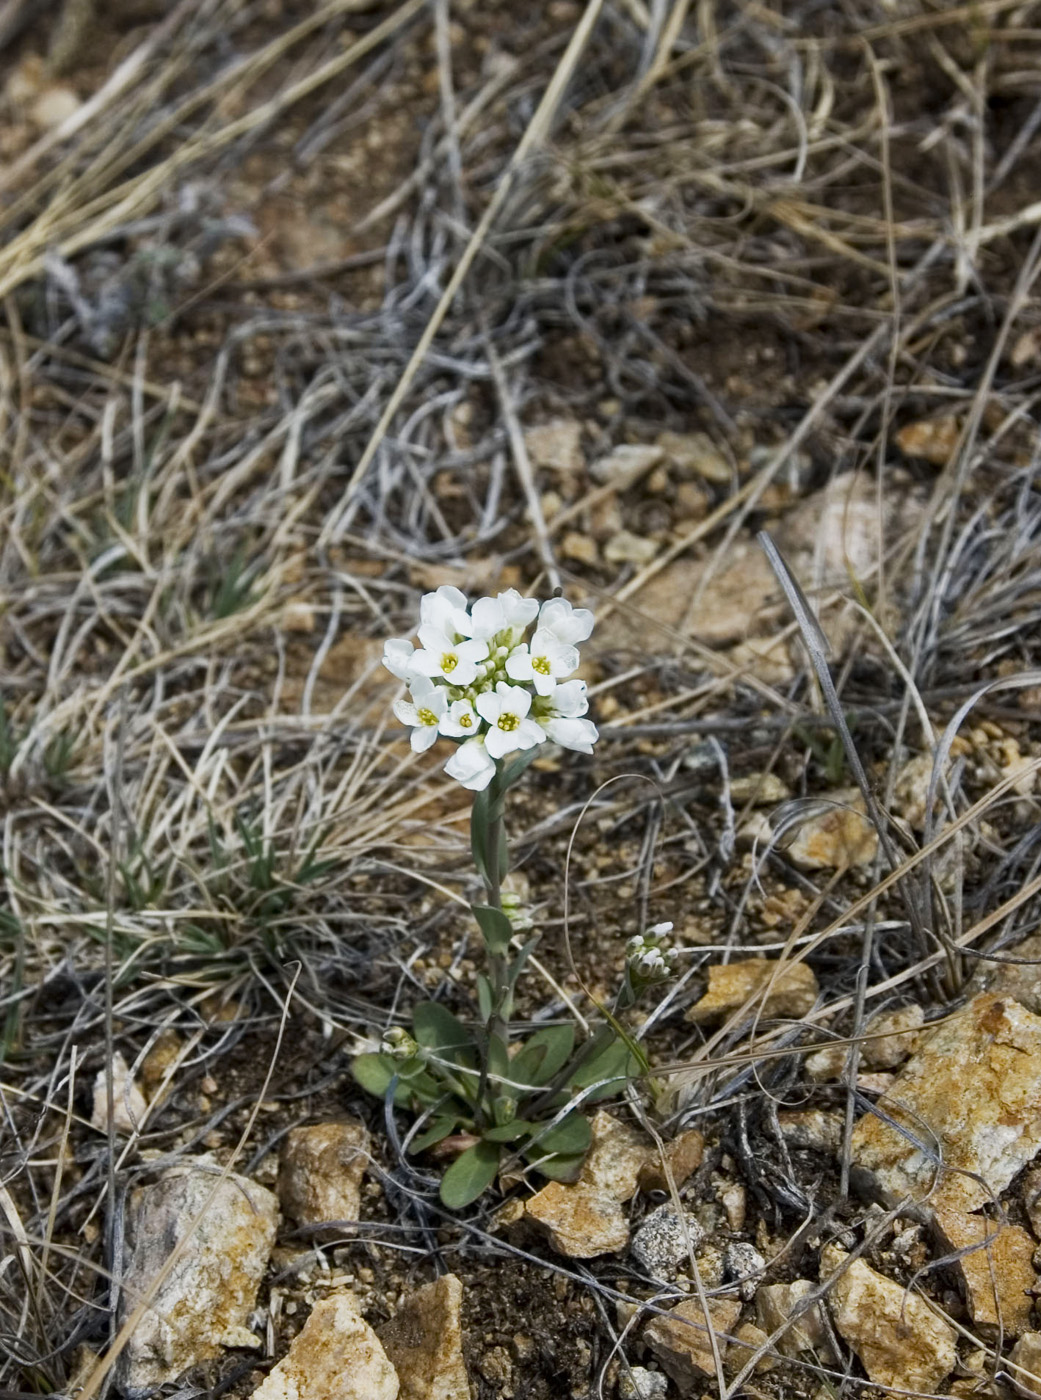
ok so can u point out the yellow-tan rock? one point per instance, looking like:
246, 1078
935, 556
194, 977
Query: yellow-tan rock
777, 1304
1026, 1361
681, 1157
336, 1356
969, 1098
224, 1231
900, 1340
773, 987
997, 1269
890, 1037
128, 1103
320, 1171
681, 1342
585, 1218
837, 838
424, 1343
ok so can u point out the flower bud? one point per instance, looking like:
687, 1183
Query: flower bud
399, 1043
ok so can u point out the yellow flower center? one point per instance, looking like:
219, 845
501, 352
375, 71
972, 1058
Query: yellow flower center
426, 716
540, 664
508, 722
449, 661
466, 721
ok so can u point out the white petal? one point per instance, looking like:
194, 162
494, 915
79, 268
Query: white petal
528, 734
397, 657
424, 736
577, 734
500, 742
517, 610
567, 624
426, 663
569, 699
489, 706
471, 765
488, 617
405, 711
515, 699
446, 610
518, 664
544, 685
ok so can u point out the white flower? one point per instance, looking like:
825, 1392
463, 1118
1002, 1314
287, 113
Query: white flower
471, 765
442, 655
507, 714
509, 612
462, 721
567, 624
397, 657
445, 610
542, 662
424, 712
558, 714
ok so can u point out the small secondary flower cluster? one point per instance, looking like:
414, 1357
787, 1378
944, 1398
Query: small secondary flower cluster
477, 678
648, 961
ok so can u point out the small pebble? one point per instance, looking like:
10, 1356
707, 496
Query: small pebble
662, 1241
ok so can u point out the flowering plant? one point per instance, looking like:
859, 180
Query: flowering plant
494, 680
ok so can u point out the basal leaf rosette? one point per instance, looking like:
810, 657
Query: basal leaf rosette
493, 678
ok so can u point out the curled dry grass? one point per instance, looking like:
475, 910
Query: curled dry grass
200, 806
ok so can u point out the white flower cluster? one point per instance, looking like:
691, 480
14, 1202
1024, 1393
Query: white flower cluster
648, 961
475, 678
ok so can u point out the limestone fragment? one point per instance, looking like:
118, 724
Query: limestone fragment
204, 1301
811, 1128
585, 1218
1026, 1361
320, 1172
626, 464
128, 1103
931, 439
1020, 980
837, 837
890, 1037
682, 1156
773, 987
627, 548
680, 1339
900, 1341
779, 1303
698, 454
337, 1356
424, 1342
997, 1270
556, 445
637, 1383
911, 790
662, 1240
760, 789
969, 1101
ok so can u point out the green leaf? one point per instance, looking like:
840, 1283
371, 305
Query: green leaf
499, 1067
615, 1064
438, 1030
568, 1139
512, 770
438, 1130
479, 833
485, 997
544, 1054
557, 1167
374, 1074
495, 927
509, 1132
517, 967
472, 1172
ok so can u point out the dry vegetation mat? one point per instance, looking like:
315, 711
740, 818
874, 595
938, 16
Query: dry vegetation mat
722, 318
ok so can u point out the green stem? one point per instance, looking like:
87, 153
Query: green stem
498, 963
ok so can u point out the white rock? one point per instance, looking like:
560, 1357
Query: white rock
627, 548
424, 1342
640, 1384
662, 1241
128, 1103
556, 445
746, 1265
625, 464
337, 1356
203, 1303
